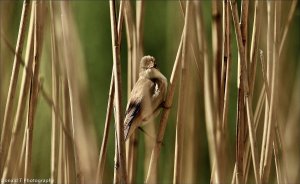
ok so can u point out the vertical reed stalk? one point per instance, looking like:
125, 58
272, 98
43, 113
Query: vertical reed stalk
226, 67
103, 151
210, 118
55, 95
165, 114
139, 52
117, 78
245, 86
267, 77
13, 157
218, 93
254, 44
287, 25
131, 79
182, 101
7, 122
34, 90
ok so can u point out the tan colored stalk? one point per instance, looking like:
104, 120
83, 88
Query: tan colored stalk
84, 138
140, 11
55, 96
257, 115
181, 114
69, 153
267, 75
8, 114
244, 25
241, 114
165, 115
217, 34
139, 52
245, 86
254, 45
225, 78
131, 79
117, 162
13, 157
12, 50
118, 93
208, 100
49, 101
218, 92
34, 91
19, 171
226, 64
103, 151
265, 170
287, 25
61, 160
131, 45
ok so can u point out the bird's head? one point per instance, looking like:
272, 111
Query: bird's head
147, 62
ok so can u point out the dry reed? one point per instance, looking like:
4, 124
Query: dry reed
264, 139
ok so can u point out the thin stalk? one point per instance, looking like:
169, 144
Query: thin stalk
254, 45
24, 90
69, 154
244, 25
226, 68
269, 59
55, 96
140, 11
103, 151
34, 91
257, 115
118, 92
131, 45
208, 91
139, 52
245, 86
287, 25
218, 93
20, 170
165, 115
265, 169
8, 113
244, 32
226, 63
217, 41
60, 162
182, 101
241, 115
130, 33
116, 160
55, 108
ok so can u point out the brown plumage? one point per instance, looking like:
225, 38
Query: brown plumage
146, 96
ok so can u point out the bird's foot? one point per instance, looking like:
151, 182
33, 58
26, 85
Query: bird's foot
164, 105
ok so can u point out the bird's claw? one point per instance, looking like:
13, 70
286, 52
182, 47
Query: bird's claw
164, 105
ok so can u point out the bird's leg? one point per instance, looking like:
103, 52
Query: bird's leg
153, 138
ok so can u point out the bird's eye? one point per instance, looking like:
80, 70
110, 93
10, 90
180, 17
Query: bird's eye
155, 65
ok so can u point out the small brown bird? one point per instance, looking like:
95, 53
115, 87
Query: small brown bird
146, 97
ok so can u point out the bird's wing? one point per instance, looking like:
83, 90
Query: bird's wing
134, 107
132, 112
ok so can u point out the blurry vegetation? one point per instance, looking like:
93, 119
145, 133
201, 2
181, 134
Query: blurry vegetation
86, 74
